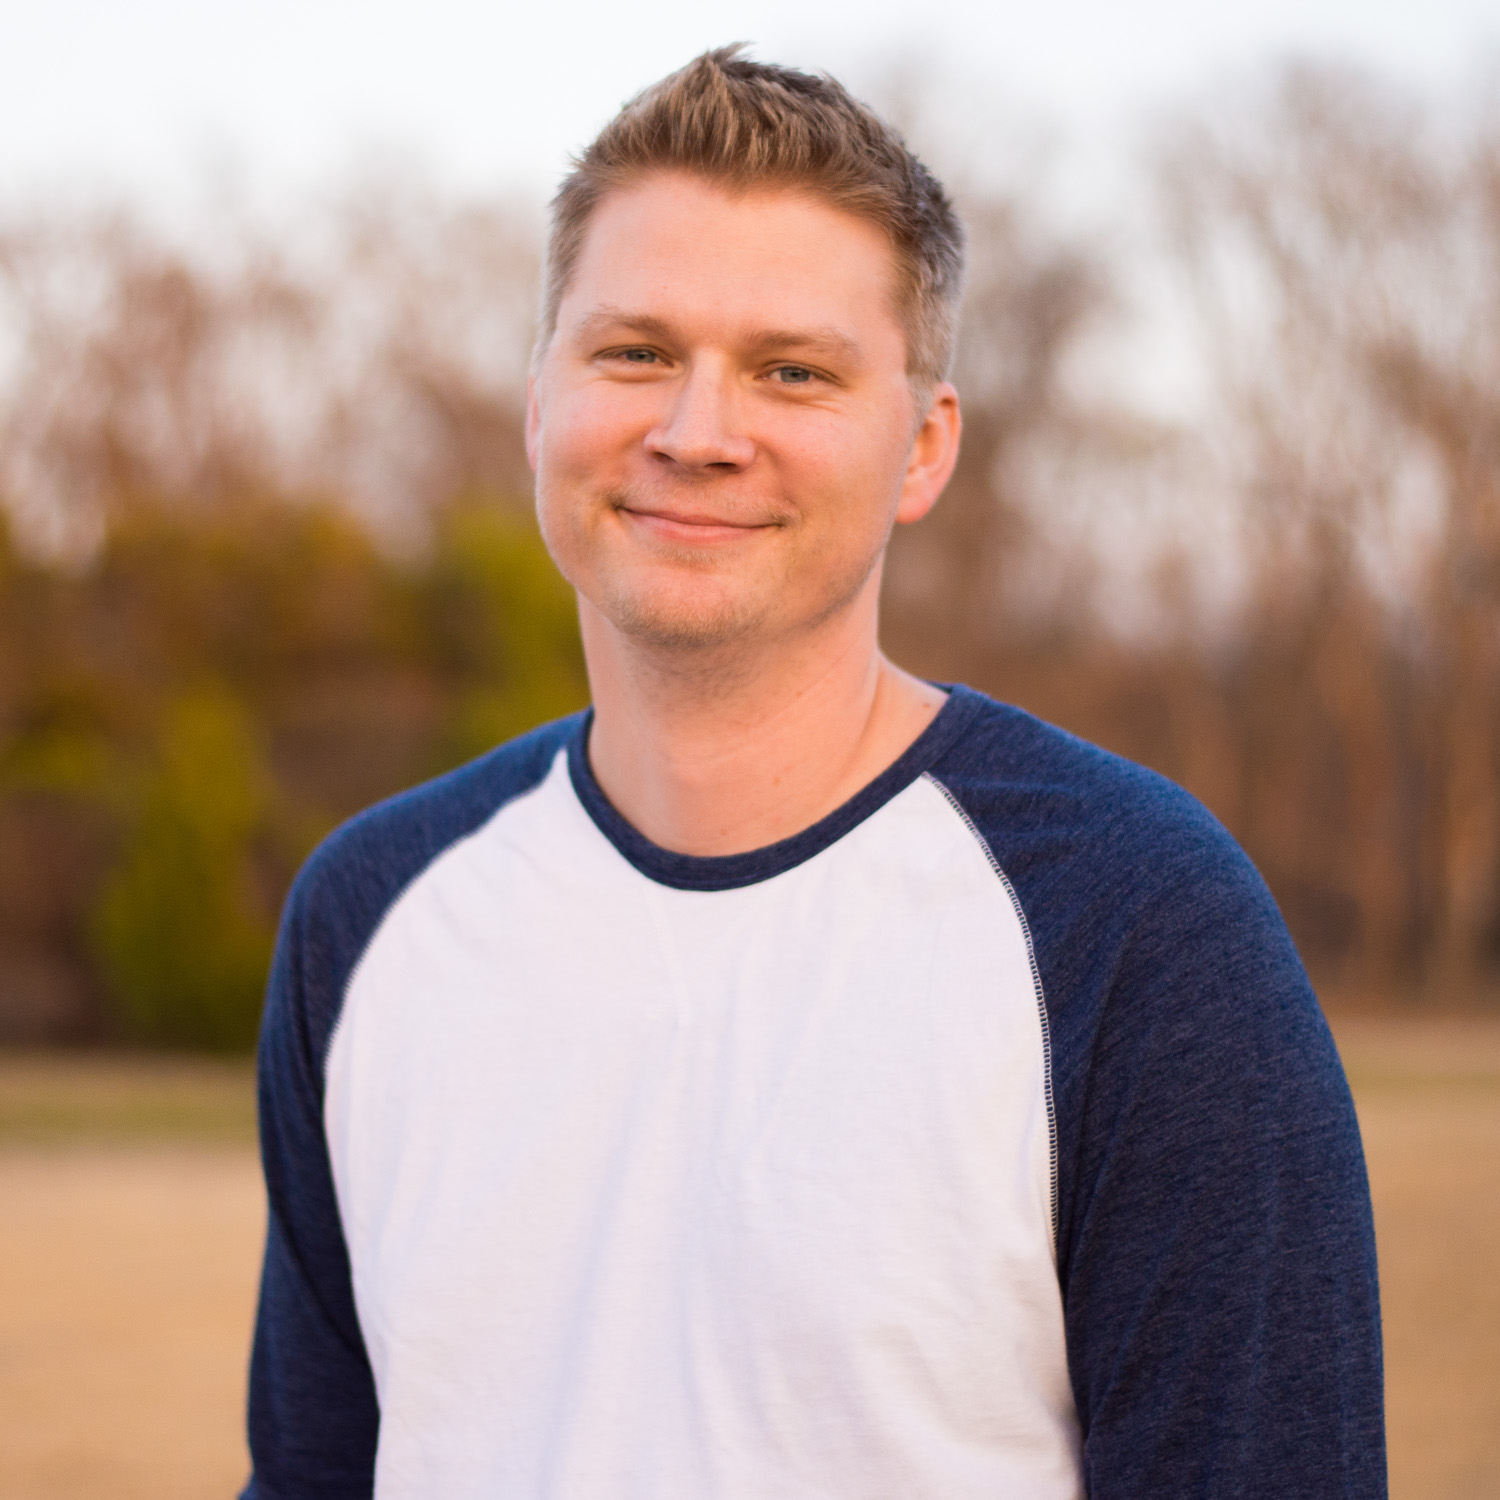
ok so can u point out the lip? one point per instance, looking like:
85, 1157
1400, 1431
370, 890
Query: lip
691, 526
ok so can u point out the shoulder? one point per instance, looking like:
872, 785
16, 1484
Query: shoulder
1160, 952
1077, 822
355, 875
391, 842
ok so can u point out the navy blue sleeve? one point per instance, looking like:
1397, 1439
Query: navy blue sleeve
1216, 1248
314, 1418
1218, 1254
313, 1415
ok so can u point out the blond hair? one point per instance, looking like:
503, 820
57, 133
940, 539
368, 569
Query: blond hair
748, 125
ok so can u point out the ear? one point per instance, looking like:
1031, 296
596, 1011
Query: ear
533, 424
934, 451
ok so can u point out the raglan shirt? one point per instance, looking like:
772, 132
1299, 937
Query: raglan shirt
983, 1139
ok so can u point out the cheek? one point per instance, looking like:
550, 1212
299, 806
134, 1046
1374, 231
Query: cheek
569, 434
589, 433
579, 457
860, 482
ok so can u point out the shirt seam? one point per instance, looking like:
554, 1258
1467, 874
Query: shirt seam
1036, 981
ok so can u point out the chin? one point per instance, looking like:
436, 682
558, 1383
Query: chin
677, 621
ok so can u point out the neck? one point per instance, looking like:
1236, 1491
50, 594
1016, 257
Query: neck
725, 749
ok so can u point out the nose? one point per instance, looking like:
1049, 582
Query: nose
702, 429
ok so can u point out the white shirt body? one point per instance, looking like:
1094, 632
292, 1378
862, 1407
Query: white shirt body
745, 1194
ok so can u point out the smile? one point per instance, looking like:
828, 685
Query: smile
695, 528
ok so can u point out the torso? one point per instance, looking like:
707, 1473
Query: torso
739, 1192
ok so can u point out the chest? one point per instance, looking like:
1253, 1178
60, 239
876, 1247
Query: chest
586, 1128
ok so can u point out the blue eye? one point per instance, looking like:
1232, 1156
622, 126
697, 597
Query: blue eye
639, 356
794, 375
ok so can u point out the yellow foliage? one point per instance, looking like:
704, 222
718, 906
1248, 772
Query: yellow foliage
183, 948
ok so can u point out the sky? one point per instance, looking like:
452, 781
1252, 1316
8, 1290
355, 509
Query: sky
134, 97
183, 104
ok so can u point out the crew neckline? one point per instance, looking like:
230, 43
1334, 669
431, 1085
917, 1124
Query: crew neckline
723, 872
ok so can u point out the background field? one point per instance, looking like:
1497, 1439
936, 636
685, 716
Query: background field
131, 1237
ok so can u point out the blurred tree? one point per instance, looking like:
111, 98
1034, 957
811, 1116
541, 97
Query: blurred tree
343, 674
183, 941
505, 625
375, 352
1346, 255
286, 460
957, 586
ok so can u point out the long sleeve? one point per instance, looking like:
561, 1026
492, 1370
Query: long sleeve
1219, 1269
1215, 1244
313, 1415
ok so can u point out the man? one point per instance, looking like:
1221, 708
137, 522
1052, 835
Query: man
791, 1079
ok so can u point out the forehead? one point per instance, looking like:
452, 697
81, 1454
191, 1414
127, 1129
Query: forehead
677, 246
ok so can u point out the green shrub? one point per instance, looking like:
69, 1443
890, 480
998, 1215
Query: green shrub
506, 627
182, 946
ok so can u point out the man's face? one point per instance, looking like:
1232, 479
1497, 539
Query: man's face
721, 426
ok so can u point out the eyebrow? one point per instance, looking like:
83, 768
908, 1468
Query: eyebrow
617, 317
828, 340
810, 340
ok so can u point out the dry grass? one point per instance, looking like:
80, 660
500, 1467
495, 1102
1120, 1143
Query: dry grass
1429, 1105
128, 1279
130, 1241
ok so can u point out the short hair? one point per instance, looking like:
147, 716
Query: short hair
747, 125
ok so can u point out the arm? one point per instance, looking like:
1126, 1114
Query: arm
1218, 1255
313, 1415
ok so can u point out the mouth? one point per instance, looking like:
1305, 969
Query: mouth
699, 528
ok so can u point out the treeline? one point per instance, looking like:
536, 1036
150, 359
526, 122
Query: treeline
191, 712
268, 553
1320, 654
